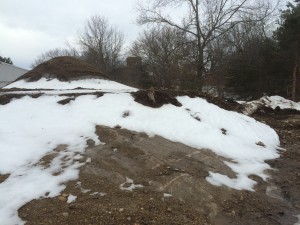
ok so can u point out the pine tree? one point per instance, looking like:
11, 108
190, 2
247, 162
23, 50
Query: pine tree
288, 36
5, 60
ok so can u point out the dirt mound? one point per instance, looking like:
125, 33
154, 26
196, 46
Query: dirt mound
174, 187
264, 110
64, 69
157, 98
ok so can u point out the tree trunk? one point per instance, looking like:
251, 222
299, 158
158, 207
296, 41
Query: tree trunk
200, 57
295, 70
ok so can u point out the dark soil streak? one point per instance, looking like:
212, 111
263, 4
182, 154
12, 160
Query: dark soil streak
7, 98
169, 97
3, 177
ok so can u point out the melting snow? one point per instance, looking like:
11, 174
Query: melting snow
166, 195
43, 83
298, 223
272, 102
88, 160
101, 194
83, 190
131, 185
33, 127
71, 198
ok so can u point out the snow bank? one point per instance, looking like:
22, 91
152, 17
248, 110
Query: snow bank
43, 83
272, 102
33, 127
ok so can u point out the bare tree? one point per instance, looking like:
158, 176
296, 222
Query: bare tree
101, 44
237, 40
205, 20
69, 51
163, 52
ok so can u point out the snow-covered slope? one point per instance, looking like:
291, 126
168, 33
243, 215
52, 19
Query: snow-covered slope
98, 84
34, 127
272, 102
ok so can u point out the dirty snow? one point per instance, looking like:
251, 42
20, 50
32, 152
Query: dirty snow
44, 83
88, 160
101, 194
83, 190
298, 223
62, 92
71, 198
272, 102
166, 195
131, 184
33, 127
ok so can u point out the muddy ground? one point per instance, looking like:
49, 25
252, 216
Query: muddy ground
170, 184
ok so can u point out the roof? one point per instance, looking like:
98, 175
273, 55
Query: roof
9, 73
11, 65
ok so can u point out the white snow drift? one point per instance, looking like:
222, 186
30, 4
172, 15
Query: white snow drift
43, 83
272, 102
33, 127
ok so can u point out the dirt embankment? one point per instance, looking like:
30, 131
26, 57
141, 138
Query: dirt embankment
151, 98
174, 189
63, 68
286, 176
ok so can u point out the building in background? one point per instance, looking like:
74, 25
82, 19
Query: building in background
9, 73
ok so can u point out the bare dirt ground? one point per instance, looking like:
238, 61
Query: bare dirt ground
174, 189
170, 179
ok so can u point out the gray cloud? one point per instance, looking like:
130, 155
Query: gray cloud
28, 28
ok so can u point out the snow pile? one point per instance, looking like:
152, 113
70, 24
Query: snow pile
43, 83
272, 102
33, 127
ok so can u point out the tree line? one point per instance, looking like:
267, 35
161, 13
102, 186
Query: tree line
6, 60
238, 48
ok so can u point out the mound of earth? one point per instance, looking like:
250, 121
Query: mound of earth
277, 112
63, 68
157, 98
167, 186
273, 105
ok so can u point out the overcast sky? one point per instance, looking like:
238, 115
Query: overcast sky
29, 28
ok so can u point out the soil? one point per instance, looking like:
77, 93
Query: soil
7, 98
63, 68
151, 98
3, 177
173, 177
157, 98
164, 167
277, 113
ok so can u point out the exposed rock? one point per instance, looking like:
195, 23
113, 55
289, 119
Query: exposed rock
62, 198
